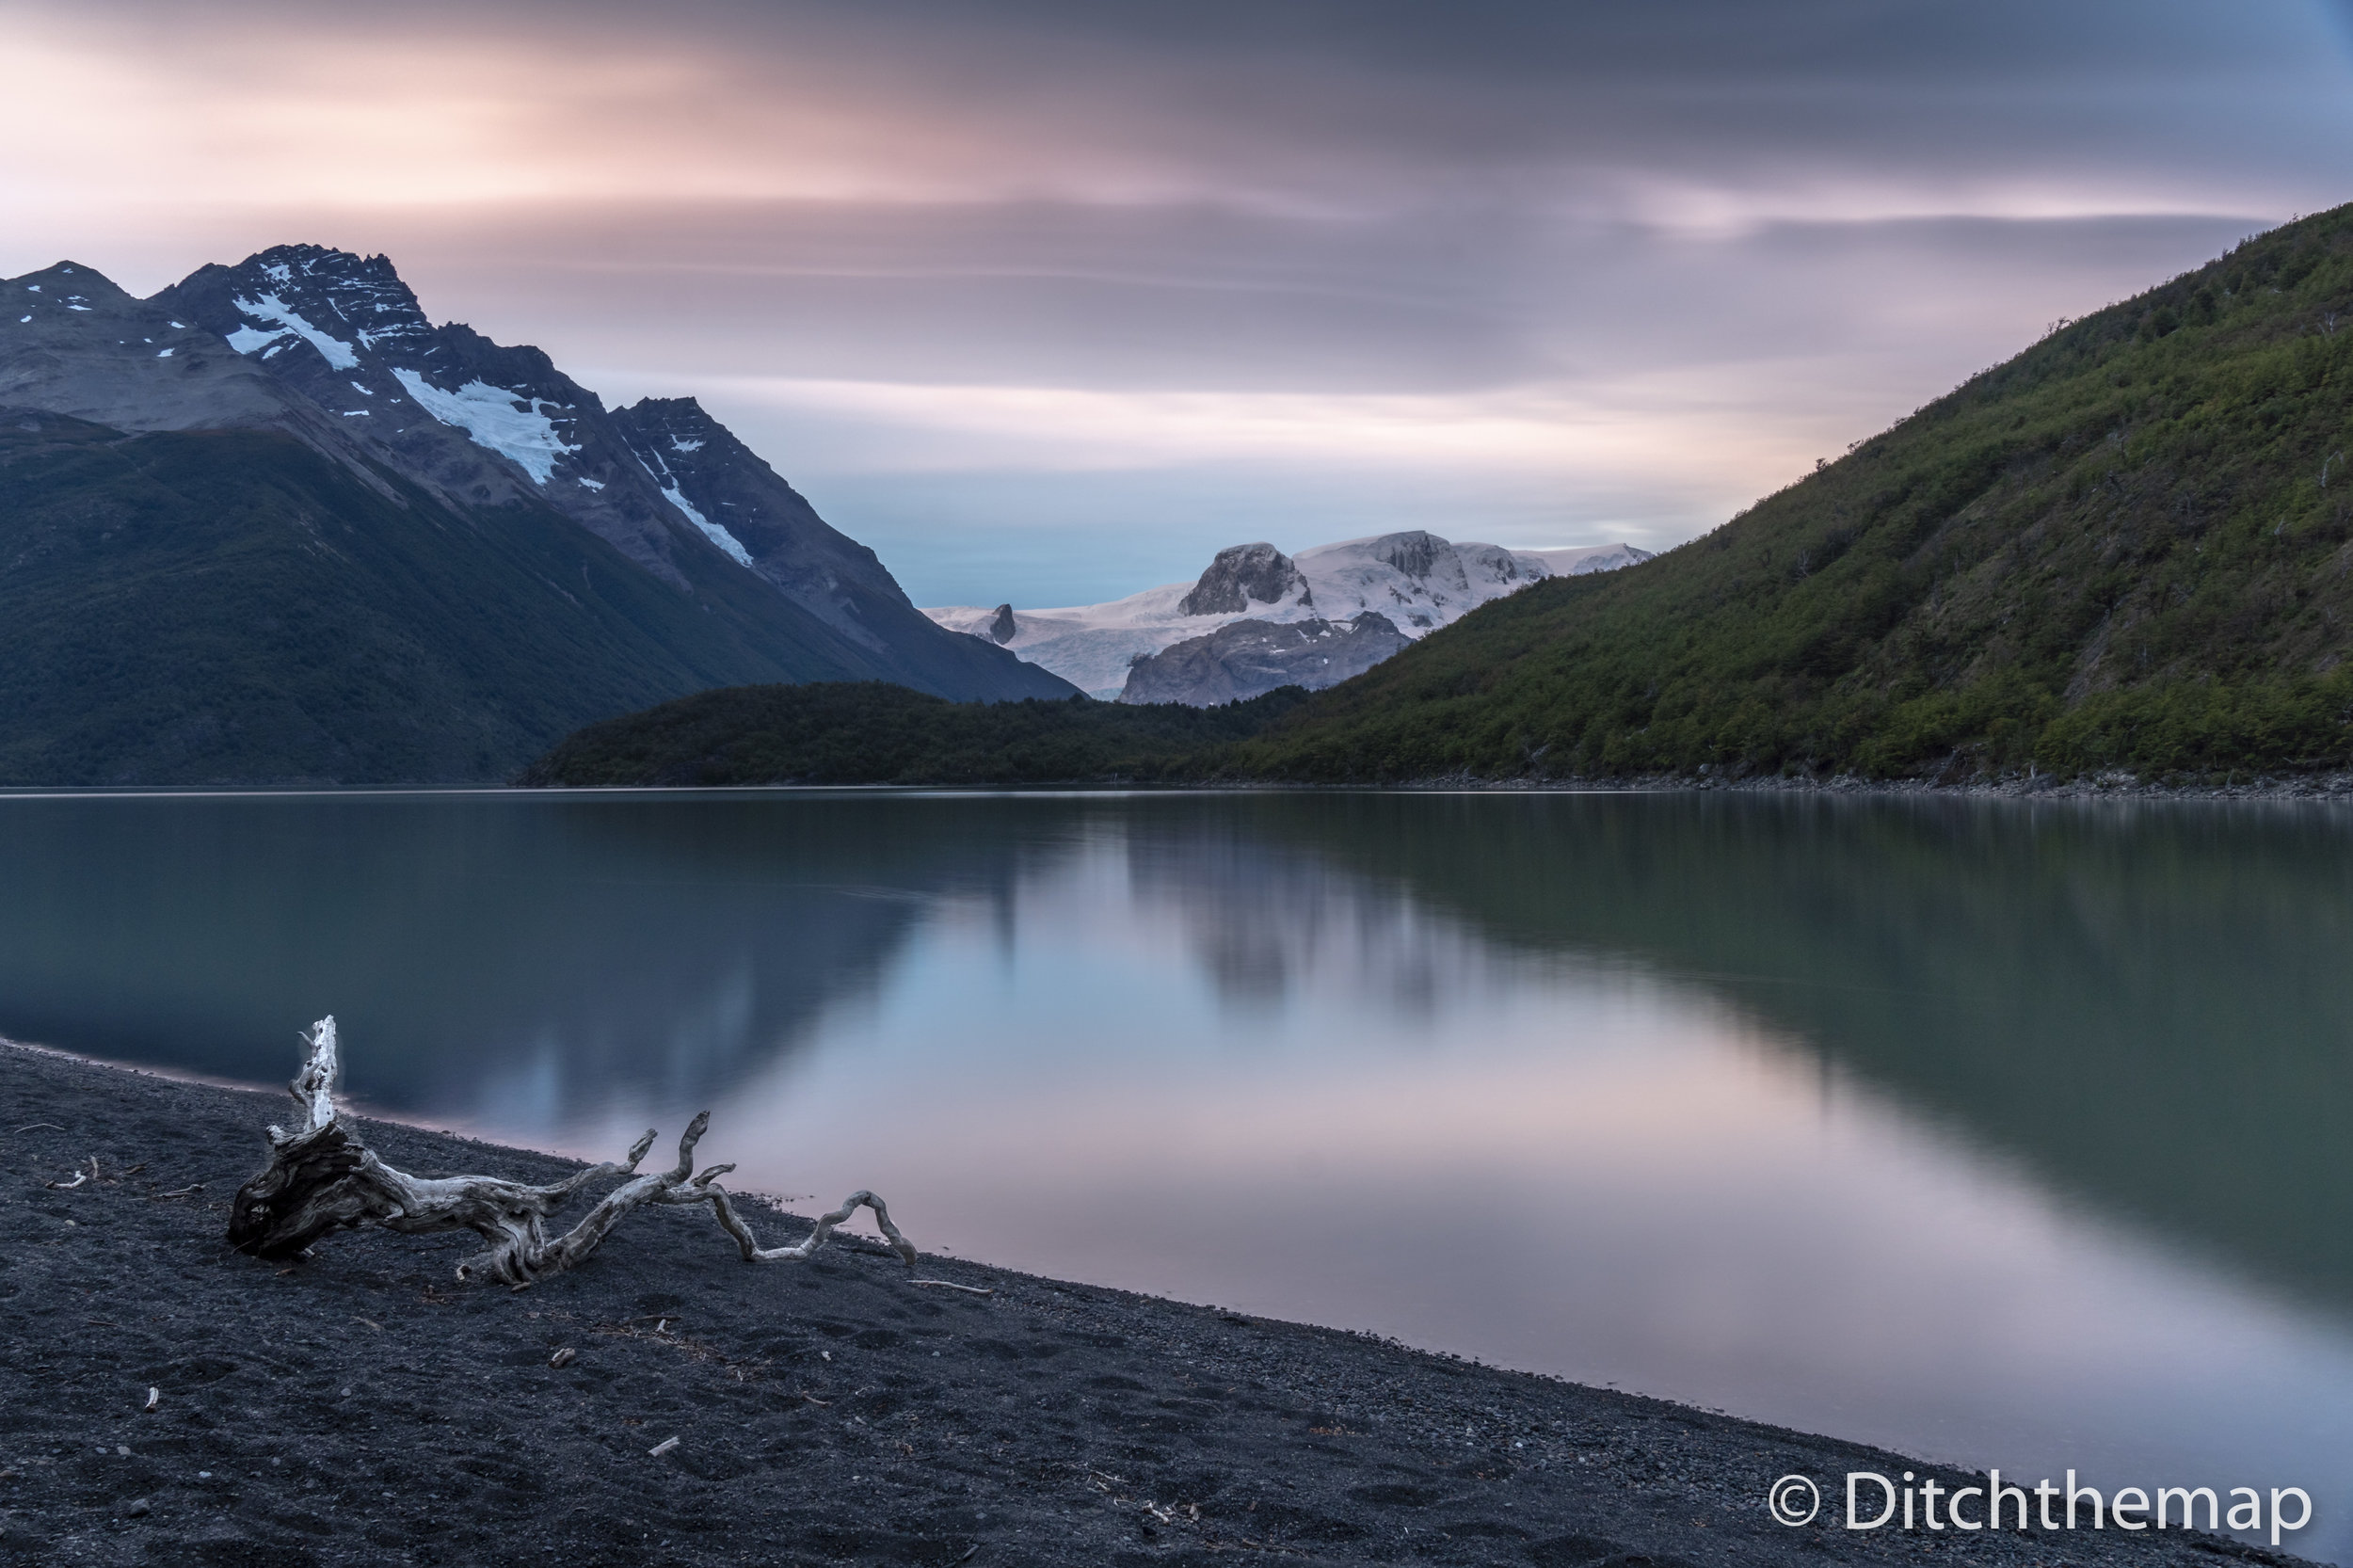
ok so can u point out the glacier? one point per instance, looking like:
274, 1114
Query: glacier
1415, 580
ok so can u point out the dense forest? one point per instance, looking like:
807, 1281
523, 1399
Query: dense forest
870, 732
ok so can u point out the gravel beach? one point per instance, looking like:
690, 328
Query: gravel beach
363, 1407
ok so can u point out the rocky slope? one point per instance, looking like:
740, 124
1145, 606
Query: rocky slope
1416, 581
1245, 658
486, 555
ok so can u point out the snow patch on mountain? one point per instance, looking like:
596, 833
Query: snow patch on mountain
712, 530
244, 340
507, 422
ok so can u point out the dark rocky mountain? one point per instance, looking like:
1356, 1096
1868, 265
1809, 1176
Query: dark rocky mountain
648, 550
1244, 659
1241, 577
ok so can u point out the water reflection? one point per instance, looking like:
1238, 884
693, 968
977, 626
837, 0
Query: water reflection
2009, 1134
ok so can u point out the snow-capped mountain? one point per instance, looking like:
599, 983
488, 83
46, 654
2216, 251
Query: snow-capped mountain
475, 422
1416, 581
637, 553
336, 349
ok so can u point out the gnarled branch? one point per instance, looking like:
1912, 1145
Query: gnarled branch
321, 1177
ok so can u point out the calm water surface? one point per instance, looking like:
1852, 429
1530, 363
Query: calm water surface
2007, 1134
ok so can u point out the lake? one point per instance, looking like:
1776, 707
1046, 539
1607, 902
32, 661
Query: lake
2006, 1133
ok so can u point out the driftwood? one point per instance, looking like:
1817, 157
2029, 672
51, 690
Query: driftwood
321, 1177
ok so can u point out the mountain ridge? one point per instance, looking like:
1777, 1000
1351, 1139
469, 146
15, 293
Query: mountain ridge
480, 452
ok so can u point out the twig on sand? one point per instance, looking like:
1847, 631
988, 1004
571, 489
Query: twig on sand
662, 1447
951, 1285
30, 1126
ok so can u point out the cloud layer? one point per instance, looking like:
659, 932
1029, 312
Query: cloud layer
1048, 300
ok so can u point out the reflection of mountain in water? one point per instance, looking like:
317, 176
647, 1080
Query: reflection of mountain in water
1274, 922
2154, 1008
2151, 1006
570, 951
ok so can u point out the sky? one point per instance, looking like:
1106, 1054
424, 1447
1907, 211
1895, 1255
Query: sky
1047, 301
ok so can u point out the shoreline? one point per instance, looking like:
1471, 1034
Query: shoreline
2331, 787
2335, 788
362, 1407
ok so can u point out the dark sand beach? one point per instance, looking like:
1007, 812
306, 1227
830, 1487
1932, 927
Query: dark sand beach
364, 1407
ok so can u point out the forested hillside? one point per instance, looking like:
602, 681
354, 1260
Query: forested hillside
868, 732
2126, 549
229, 606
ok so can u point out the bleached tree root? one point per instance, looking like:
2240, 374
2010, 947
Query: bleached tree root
321, 1179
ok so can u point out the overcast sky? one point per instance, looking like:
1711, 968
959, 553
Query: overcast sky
1048, 300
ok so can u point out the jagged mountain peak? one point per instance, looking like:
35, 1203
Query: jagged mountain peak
476, 420
463, 446
338, 302
682, 426
1243, 575
681, 408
